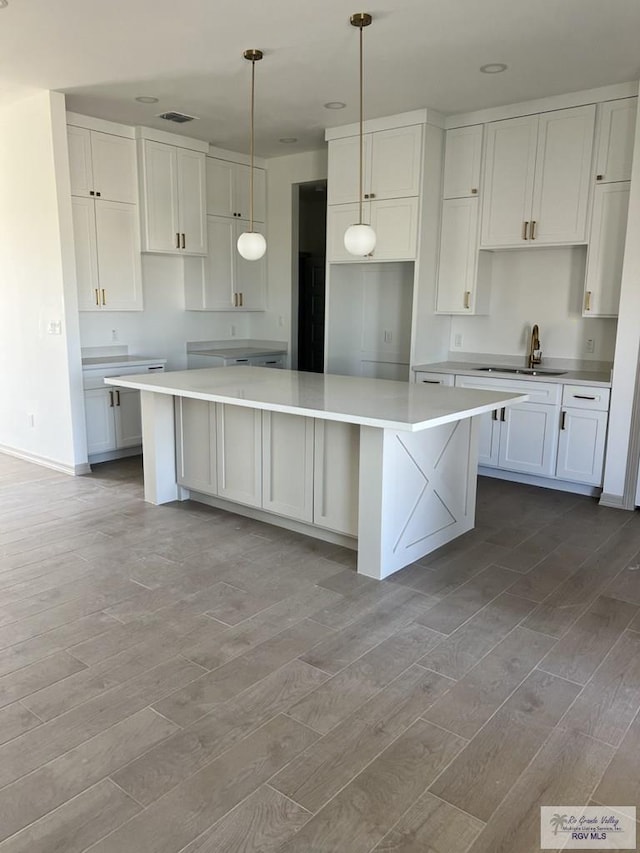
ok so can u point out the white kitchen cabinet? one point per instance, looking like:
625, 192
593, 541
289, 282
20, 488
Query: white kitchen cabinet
581, 445
529, 438
102, 165
605, 254
101, 426
107, 251
128, 418
174, 199
239, 453
228, 186
537, 178
196, 445
287, 465
395, 222
336, 476
224, 280
489, 439
462, 161
463, 272
616, 134
392, 165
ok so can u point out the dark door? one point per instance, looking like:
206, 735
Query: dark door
311, 279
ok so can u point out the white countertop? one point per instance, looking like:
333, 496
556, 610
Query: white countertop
468, 368
239, 352
372, 402
120, 361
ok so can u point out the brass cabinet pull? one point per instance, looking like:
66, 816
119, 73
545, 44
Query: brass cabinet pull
494, 414
104, 298
503, 415
97, 296
563, 421
366, 195
111, 399
599, 177
91, 192
525, 228
467, 299
587, 301
533, 230
99, 194
474, 191
177, 240
184, 242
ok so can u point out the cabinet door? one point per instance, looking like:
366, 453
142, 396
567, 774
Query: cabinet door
210, 281
250, 277
462, 161
616, 134
339, 218
458, 256
220, 201
581, 446
606, 250
192, 201
239, 453
79, 141
529, 439
86, 252
127, 417
161, 233
119, 265
335, 478
507, 187
242, 195
489, 439
563, 176
115, 176
396, 158
196, 445
395, 222
344, 169
287, 465
99, 412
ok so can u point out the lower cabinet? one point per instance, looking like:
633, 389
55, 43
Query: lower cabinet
300, 468
113, 419
528, 439
581, 446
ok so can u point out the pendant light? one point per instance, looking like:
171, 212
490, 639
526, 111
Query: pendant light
360, 239
251, 244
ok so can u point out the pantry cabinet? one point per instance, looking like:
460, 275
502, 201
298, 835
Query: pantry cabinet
173, 199
228, 190
616, 134
605, 254
463, 271
395, 222
462, 162
537, 178
102, 165
392, 165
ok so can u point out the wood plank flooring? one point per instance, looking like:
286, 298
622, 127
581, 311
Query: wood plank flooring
181, 680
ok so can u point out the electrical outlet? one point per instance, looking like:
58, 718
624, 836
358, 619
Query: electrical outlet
32, 420
281, 321
590, 345
232, 330
388, 336
457, 341
114, 334
55, 327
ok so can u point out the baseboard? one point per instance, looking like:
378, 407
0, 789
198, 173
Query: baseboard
542, 482
110, 455
44, 462
615, 501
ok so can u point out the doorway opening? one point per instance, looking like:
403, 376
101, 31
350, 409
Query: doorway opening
312, 240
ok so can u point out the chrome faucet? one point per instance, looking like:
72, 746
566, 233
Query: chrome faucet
535, 353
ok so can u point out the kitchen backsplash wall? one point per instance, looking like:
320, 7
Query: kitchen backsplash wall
164, 327
543, 286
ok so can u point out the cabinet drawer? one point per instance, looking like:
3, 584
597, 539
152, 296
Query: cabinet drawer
434, 378
586, 397
539, 392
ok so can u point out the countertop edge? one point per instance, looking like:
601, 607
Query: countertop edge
571, 377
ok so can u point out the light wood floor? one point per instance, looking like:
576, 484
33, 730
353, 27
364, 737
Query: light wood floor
180, 679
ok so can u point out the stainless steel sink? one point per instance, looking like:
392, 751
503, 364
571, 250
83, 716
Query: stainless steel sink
527, 371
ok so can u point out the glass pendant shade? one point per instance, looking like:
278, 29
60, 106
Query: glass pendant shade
251, 245
360, 240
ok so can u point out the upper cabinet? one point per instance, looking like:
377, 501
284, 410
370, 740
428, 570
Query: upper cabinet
616, 133
537, 179
462, 162
173, 199
228, 190
395, 222
391, 165
102, 165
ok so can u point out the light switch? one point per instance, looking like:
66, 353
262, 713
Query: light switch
55, 327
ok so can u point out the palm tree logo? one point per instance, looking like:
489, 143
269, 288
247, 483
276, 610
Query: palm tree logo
558, 821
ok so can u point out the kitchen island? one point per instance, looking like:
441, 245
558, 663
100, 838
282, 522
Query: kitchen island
386, 467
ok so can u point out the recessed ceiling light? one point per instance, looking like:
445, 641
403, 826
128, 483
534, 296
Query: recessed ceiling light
287, 140
143, 99
493, 68
335, 105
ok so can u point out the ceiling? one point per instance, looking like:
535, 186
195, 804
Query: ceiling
418, 53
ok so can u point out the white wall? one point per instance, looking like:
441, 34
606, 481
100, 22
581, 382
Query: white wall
164, 327
283, 174
40, 373
543, 286
621, 468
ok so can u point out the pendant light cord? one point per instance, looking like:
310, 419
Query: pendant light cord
361, 120
253, 88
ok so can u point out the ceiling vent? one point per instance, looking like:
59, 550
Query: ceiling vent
178, 118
